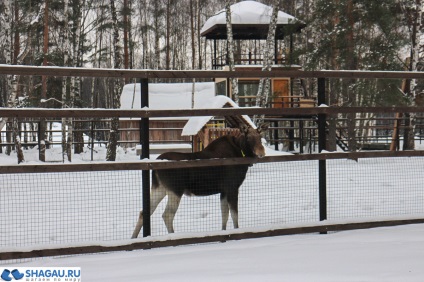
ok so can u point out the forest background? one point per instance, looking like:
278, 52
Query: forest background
165, 34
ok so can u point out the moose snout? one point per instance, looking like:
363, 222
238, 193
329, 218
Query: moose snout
260, 152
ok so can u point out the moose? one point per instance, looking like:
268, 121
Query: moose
206, 181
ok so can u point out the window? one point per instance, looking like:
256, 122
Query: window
247, 92
221, 88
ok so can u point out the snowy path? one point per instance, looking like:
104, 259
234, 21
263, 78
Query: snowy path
383, 254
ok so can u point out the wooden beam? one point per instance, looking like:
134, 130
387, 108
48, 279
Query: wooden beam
178, 74
143, 113
113, 166
227, 236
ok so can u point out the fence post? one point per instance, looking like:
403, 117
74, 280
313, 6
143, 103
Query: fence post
301, 136
276, 135
322, 173
145, 153
92, 138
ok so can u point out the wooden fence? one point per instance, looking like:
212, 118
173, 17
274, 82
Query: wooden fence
322, 112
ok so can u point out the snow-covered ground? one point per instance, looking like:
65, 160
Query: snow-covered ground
383, 254
49, 209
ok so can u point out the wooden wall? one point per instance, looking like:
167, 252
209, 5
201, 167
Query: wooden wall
161, 131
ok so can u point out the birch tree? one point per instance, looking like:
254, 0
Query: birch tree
114, 130
7, 54
413, 13
230, 54
66, 150
12, 83
75, 138
264, 88
43, 124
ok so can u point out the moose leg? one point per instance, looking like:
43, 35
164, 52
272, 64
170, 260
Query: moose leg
233, 203
225, 210
171, 210
157, 195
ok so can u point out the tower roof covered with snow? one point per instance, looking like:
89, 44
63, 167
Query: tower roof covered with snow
250, 20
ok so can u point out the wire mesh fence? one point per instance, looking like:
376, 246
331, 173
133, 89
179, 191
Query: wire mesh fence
375, 187
272, 193
44, 209
60, 208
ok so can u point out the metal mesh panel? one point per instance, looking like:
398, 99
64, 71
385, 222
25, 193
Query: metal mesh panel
374, 187
76, 207
54, 208
272, 193
277, 193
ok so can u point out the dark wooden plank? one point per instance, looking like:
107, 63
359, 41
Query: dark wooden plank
142, 73
152, 243
110, 166
286, 112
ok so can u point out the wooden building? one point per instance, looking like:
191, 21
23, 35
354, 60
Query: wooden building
162, 96
250, 23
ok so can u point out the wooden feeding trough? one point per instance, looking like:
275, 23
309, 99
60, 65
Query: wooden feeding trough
204, 130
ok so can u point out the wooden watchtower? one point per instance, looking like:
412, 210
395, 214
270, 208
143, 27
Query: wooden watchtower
250, 23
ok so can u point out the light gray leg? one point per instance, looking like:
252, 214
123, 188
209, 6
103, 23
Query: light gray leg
170, 211
234, 216
225, 210
157, 195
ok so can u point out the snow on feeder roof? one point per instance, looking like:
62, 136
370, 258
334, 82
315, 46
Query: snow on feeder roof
195, 124
250, 20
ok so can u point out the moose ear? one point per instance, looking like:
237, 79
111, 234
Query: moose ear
262, 127
243, 128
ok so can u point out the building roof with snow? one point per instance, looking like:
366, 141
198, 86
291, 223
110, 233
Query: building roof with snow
250, 20
177, 96
166, 96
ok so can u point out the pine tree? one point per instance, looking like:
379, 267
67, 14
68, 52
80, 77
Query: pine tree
360, 34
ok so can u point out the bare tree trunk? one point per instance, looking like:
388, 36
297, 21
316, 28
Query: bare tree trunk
8, 56
168, 35
75, 138
199, 41
157, 34
43, 125
45, 47
15, 124
12, 82
193, 41
16, 47
230, 51
125, 13
66, 48
264, 88
410, 118
114, 130
351, 92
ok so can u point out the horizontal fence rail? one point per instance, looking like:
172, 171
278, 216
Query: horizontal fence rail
176, 74
161, 164
149, 113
